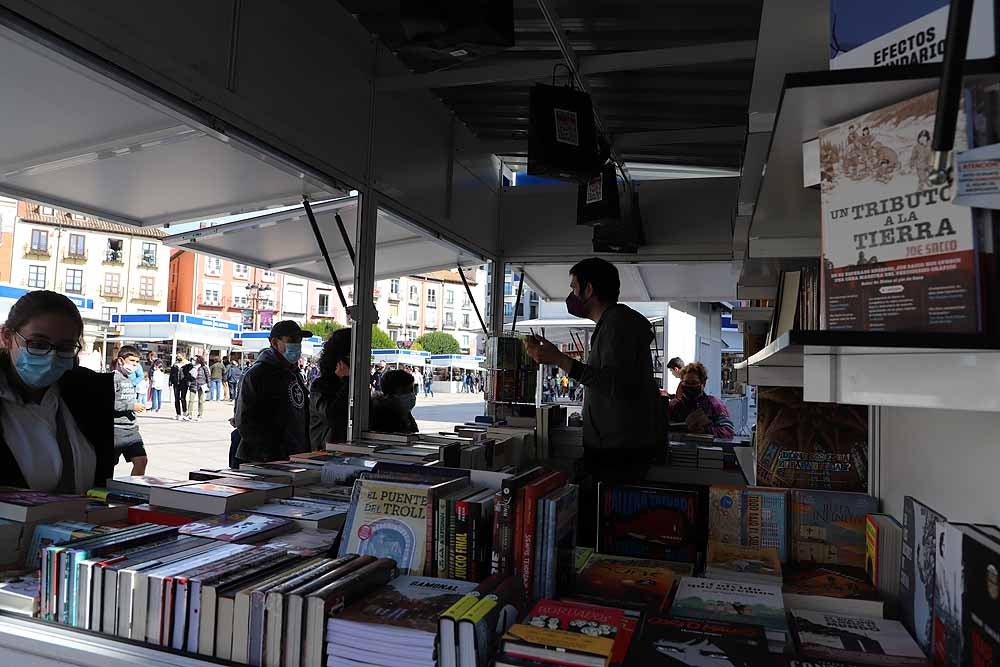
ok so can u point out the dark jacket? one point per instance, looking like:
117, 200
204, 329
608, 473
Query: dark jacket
126, 428
180, 376
329, 399
90, 398
389, 416
621, 406
272, 411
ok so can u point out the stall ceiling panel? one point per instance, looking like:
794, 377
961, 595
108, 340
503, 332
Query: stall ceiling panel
284, 241
76, 139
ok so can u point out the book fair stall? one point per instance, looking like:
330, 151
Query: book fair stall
828, 173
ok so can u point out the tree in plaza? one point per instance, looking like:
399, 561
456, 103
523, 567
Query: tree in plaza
323, 329
417, 347
438, 342
381, 340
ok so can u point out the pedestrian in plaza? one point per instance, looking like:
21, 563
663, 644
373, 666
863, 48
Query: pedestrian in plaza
216, 372
303, 371
377, 377
225, 379
272, 411
392, 408
234, 374
330, 392
180, 380
56, 419
147, 371
158, 382
128, 441
429, 384
564, 386
197, 388
311, 374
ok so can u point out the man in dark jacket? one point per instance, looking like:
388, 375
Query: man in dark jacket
272, 411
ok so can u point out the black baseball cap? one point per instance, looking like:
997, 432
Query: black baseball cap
288, 328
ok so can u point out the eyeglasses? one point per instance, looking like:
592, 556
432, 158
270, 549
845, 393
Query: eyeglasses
40, 348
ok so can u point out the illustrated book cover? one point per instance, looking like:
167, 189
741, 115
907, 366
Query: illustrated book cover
749, 516
828, 527
648, 521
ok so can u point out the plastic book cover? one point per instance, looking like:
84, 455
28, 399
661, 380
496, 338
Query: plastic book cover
749, 516
236, 527
388, 520
409, 602
849, 583
681, 642
146, 480
806, 445
897, 254
297, 508
947, 642
828, 527
916, 576
647, 521
873, 641
628, 580
981, 568
567, 626
711, 599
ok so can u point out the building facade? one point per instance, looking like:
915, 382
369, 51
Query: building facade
527, 309
119, 268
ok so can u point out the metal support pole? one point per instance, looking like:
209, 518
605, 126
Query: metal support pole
950, 92
496, 297
344, 235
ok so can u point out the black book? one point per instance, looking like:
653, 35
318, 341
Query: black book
981, 568
916, 575
671, 642
502, 558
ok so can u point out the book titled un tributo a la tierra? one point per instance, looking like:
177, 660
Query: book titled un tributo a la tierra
897, 254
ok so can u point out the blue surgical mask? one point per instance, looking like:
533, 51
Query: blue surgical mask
39, 371
408, 401
292, 352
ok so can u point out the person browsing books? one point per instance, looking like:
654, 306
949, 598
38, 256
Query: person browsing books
701, 412
128, 403
272, 411
56, 418
392, 409
330, 392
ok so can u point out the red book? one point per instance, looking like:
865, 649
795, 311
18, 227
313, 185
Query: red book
162, 516
525, 536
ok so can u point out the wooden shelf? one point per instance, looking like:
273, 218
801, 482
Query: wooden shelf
952, 371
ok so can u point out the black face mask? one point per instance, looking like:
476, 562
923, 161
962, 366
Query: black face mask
691, 392
576, 306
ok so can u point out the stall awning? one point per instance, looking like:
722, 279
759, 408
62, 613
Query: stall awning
255, 341
408, 357
74, 138
9, 296
284, 241
168, 326
465, 361
557, 329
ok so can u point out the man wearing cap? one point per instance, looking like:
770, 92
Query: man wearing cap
272, 410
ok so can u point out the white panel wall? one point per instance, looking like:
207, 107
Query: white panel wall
682, 340
949, 459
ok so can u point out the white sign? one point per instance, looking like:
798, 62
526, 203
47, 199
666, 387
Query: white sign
977, 174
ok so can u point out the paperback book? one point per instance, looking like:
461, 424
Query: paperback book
749, 516
388, 520
855, 639
730, 601
565, 633
648, 521
916, 576
828, 527
680, 642
619, 580
732, 562
238, 527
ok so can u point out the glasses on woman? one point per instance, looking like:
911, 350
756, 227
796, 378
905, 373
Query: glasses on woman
39, 347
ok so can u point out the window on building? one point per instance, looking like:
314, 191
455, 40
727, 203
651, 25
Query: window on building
449, 297
269, 276
465, 321
394, 287
147, 287
508, 310
107, 312
393, 311
36, 276
294, 303
534, 311
240, 300
213, 296
112, 284
148, 254
323, 303
394, 335
431, 296
77, 246
241, 271
77, 216
465, 342
213, 266
46, 210
74, 280
465, 300
114, 253
414, 294
431, 319
508, 288
449, 320
39, 240
414, 315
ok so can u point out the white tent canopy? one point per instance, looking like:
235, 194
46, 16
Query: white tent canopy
557, 330
79, 140
174, 326
253, 342
401, 356
284, 241
463, 361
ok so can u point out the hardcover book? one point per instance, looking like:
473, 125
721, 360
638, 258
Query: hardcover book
305, 513
412, 603
949, 587
750, 517
981, 568
756, 604
558, 631
238, 527
855, 639
805, 445
680, 642
207, 497
847, 583
388, 520
648, 521
34, 506
897, 254
619, 580
733, 562
828, 527
916, 576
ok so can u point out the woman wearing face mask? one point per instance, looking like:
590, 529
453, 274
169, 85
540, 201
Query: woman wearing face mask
329, 394
701, 413
391, 410
56, 419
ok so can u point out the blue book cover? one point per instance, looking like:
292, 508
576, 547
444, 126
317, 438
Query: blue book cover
750, 517
828, 527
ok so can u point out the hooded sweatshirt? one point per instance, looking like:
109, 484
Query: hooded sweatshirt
272, 411
621, 406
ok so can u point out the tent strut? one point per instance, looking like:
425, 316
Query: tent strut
347, 239
472, 300
323, 250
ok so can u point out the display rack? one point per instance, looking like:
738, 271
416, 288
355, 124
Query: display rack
513, 378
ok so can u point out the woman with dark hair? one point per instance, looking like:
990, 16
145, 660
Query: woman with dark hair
392, 409
330, 392
197, 388
56, 419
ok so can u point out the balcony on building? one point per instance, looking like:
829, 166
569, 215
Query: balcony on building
75, 255
36, 249
147, 295
148, 261
114, 256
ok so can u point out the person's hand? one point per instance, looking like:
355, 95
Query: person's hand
543, 351
138, 407
697, 422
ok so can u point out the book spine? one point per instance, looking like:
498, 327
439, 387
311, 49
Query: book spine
871, 550
441, 538
495, 567
452, 539
517, 535
479, 553
463, 555
430, 553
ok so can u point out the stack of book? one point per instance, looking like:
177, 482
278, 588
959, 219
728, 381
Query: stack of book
21, 511
306, 513
136, 489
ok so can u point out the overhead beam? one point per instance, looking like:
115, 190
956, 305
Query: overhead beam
525, 70
639, 280
700, 135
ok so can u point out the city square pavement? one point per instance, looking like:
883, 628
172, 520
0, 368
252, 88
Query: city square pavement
177, 447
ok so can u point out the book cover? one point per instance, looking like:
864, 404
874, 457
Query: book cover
897, 254
560, 510
504, 519
237, 527
949, 585
739, 563
556, 627
133, 481
525, 565
805, 445
855, 639
756, 604
981, 568
680, 642
647, 521
301, 508
630, 581
482, 625
388, 520
410, 602
828, 527
304, 542
916, 576
750, 517
24, 498
848, 583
